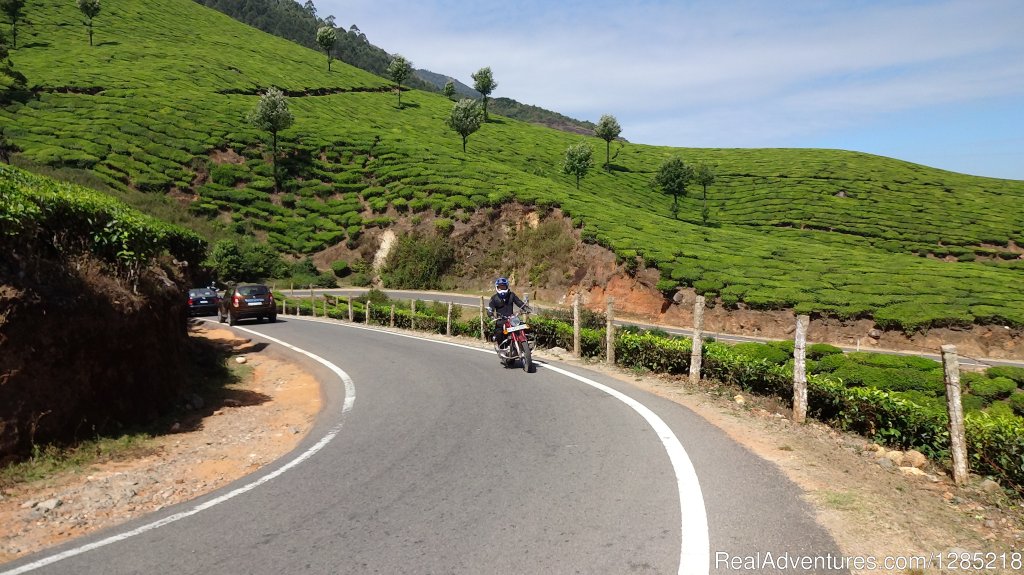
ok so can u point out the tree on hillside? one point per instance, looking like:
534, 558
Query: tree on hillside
449, 89
483, 82
310, 8
672, 178
244, 260
579, 158
271, 114
704, 175
326, 38
91, 9
399, 70
608, 129
13, 8
466, 118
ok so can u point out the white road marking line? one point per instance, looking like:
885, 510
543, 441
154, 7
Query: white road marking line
350, 398
695, 545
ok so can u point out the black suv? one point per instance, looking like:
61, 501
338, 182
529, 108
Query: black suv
245, 301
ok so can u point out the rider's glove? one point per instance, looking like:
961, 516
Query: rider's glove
527, 309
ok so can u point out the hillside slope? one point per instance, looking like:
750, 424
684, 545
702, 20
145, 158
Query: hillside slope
166, 90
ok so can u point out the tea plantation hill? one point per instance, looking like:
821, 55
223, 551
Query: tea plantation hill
168, 84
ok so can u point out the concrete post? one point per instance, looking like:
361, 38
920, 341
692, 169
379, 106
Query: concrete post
957, 442
800, 369
697, 349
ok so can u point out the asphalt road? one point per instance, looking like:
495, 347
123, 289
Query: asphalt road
432, 458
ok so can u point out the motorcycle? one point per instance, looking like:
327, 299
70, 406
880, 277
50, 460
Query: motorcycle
519, 342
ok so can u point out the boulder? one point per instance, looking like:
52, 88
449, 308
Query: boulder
915, 458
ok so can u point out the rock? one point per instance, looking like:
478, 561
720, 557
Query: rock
989, 486
240, 359
195, 401
739, 399
875, 334
49, 505
558, 351
678, 297
912, 472
991, 524
896, 457
915, 458
885, 463
176, 427
29, 504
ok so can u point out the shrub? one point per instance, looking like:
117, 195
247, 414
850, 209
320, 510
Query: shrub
817, 351
1000, 409
418, 262
1016, 374
341, 268
1016, 402
444, 226
761, 351
993, 389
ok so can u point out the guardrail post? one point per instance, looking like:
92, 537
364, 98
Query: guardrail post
800, 369
610, 332
449, 327
576, 325
697, 347
412, 316
957, 443
369, 310
312, 302
351, 314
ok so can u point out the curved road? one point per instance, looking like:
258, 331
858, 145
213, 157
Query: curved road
430, 457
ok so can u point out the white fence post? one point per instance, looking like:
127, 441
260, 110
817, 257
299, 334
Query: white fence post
449, 327
800, 370
483, 335
576, 325
957, 443
610, 332
697, 347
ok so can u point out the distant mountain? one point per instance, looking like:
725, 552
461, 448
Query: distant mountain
535, 115
439, 80
299, 23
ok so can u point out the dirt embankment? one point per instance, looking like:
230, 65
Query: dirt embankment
84, 350
550, 262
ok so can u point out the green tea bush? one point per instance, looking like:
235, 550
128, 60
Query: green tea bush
762, 351
340, 268
1015, 374
1017, 402
994, 389
817, 351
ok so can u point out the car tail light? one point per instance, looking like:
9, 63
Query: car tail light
235, 300
271, 296
189, 301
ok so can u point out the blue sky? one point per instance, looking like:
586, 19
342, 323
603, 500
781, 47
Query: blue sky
939, 83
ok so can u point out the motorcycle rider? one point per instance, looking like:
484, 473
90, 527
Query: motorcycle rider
501, 305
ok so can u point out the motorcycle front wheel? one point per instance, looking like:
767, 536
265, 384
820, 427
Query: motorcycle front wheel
524, 354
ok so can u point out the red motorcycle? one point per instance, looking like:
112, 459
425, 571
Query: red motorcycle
519, 342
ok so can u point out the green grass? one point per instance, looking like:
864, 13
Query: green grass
52, 460
170, 82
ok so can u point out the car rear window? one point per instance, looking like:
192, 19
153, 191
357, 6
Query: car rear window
253, 290
202, 293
